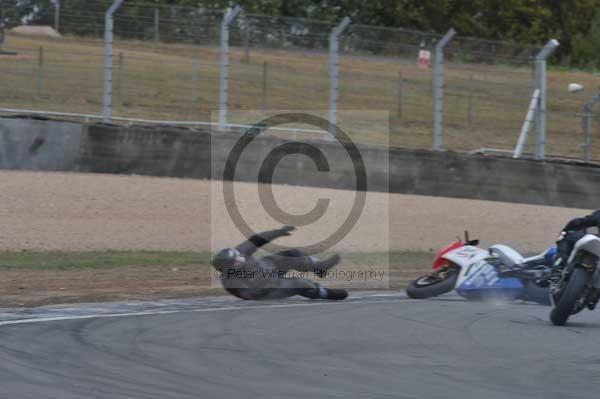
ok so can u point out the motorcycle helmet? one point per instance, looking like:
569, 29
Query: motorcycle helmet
227, 257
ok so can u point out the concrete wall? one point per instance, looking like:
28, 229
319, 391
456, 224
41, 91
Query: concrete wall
145, 151
193, 153
39, 144
563, 184
185, 153
200, 154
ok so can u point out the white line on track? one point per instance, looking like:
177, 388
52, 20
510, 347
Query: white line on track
360, 301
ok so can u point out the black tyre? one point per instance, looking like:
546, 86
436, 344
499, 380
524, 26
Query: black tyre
432, 285
571, 293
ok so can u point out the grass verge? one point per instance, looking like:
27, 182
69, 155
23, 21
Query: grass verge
32, 278
63, 260
79, 260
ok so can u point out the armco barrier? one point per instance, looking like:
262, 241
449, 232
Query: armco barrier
166, 151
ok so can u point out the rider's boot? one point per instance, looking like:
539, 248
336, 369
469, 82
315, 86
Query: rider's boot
333, 294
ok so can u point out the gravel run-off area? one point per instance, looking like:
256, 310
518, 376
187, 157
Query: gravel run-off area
71, 211
84, 212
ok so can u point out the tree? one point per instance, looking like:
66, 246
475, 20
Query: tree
586, 47
524, 21
15, 12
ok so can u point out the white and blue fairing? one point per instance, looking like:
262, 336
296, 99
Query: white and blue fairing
478, 278
483, 281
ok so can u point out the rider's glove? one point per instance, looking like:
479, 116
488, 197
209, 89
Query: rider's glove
286, 230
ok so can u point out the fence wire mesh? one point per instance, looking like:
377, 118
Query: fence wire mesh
166, 66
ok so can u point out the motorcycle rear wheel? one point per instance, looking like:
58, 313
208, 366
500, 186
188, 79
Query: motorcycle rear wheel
432, 285
568, 298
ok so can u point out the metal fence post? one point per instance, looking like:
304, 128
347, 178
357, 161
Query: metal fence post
533, 104
40, 72
586, 133
265, 75
333, 71
438, 83
2, 27
247, 46
120, 78
540, 83
229, 17
108, 59
156, 25
195, 79
57, 15
587, 114
400, 94
470, 103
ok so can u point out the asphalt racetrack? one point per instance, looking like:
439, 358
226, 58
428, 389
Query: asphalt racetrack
371, 346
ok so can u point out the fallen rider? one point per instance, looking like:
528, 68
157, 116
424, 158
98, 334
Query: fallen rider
251, 278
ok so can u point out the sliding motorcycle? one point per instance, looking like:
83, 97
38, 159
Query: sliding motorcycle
473, 273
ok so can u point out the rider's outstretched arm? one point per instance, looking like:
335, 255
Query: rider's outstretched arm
250, 246
592, 220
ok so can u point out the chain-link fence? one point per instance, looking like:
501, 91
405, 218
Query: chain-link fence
167, 66
488, 86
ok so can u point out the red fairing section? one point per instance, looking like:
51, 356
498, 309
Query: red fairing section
439, 261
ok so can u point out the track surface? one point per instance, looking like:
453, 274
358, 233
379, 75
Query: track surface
371, 347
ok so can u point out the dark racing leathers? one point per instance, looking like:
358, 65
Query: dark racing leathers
573, 232
264, 278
